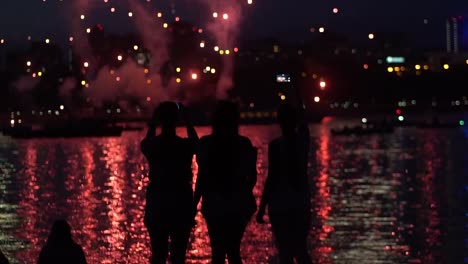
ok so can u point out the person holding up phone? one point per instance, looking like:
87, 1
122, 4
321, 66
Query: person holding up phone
169, 195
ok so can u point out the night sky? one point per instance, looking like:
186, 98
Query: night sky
285, 20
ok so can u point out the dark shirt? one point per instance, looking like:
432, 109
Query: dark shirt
226, 174
170, 171
66, 252
289, 187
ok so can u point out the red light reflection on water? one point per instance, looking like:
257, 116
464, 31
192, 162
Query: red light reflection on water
361, 199
322, 199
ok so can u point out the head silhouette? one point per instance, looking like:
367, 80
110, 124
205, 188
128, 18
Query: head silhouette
287, 118
60, 232
168, 114
226, 118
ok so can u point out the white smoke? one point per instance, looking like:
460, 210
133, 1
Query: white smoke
130, 80
226, 33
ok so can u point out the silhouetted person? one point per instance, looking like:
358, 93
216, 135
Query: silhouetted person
3, 259
169, 196
287, 192
60, 247
226, 177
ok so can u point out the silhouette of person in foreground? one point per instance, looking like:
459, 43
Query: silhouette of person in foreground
169, 195
226, 177
3, 259
286, 191
60, 247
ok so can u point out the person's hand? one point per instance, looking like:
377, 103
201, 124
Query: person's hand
154, 117
259, 217
183, 112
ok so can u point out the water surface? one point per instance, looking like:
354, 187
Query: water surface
397, 198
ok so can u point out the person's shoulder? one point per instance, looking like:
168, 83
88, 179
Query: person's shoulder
150, 141
206, 139
77, 249
245, 141
275, 142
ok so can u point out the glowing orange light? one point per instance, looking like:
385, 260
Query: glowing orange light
316, 99
194, 76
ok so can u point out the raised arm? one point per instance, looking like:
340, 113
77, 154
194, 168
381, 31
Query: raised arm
191, 132
152, 125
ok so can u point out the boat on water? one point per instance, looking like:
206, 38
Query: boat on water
362, 130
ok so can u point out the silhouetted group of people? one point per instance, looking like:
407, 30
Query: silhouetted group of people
227, 175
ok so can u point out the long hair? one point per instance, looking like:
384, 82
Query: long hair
226, 119
287, 117
60, 233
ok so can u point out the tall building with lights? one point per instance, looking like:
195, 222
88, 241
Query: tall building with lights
457, 34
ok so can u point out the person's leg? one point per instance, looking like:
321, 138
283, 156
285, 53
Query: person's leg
301, 232
217, 239
180, 234
235, 231
283, 240
159, 243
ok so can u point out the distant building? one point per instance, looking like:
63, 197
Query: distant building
457, 34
